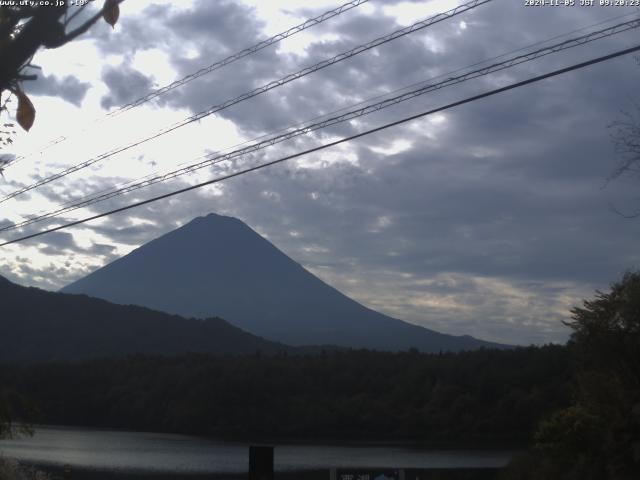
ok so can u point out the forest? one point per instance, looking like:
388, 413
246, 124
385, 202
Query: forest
449, 399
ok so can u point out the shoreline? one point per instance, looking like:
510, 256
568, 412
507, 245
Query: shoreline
234, 460
57, 472
479, 445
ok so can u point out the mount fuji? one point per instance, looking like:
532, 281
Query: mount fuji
217, 266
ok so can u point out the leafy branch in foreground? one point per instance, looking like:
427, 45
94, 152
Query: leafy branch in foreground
24, 29
598, 436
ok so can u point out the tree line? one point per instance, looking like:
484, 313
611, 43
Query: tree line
464, 398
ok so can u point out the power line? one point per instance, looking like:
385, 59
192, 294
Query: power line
258, 91
332, 144
219, 64
216, 158
237, 56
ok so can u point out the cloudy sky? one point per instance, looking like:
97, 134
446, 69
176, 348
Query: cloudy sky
491, 219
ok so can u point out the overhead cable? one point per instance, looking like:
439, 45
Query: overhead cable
219, 64
217, 157
243, 53
255, 92
331, 144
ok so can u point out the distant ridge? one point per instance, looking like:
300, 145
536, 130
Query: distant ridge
218, 266
36, 325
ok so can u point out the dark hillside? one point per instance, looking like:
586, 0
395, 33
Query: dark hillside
36, 325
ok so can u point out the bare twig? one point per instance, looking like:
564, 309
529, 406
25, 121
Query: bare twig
626, 140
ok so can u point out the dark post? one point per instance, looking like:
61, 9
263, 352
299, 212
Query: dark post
260, 463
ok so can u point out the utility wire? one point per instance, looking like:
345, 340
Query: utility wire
258, 91
237, 56
332, 144
217, 157
217, 65
95, 197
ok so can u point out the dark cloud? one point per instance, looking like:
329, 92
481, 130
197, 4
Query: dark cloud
106, 253
56, 243
68, 88
125, 84
133, 235
224, 25
145, 31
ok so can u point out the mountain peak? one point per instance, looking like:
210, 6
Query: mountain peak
214, 218
211, 223
218, 266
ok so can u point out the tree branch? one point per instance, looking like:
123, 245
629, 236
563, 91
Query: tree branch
88, 24
42, 26
75, 14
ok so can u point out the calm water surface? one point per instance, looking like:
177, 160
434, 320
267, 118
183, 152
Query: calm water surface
155, 452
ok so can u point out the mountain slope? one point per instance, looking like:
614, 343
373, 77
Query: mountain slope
36, 325
219, 266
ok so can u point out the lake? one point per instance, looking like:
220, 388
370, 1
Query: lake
167, 453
